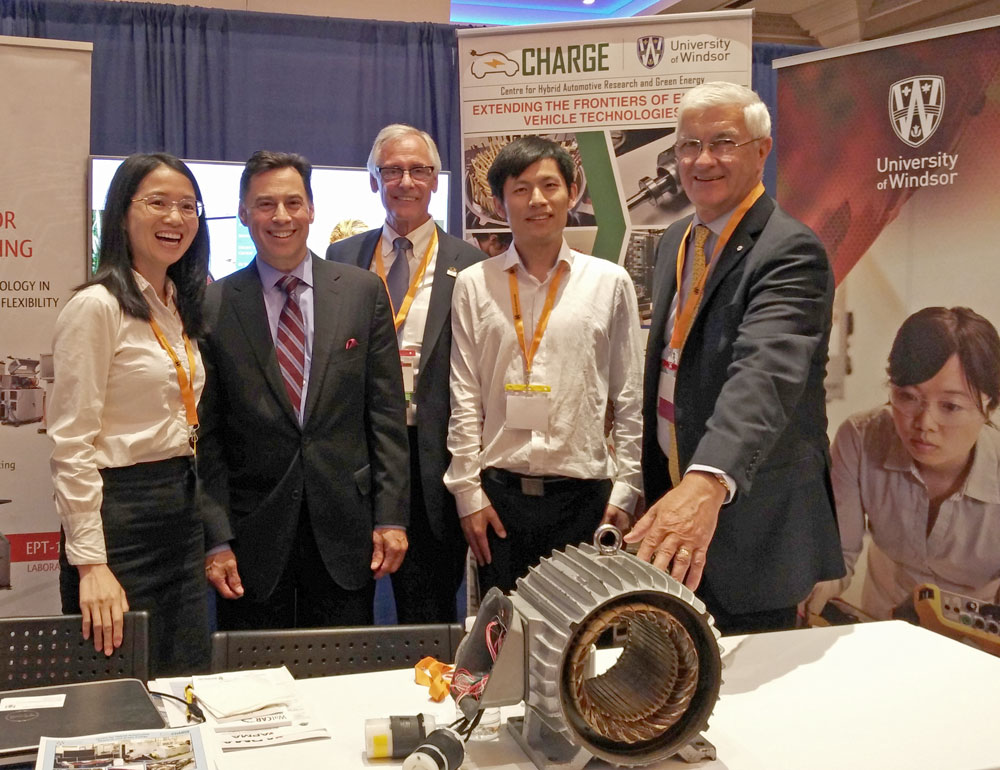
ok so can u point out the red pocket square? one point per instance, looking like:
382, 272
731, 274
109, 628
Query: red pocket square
351, 343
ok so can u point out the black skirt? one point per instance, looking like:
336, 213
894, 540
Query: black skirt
155, 546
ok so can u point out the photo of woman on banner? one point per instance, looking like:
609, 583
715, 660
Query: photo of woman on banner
922, 473
123, 419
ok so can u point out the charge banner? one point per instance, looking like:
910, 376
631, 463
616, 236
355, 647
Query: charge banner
889, 152
45, 130
608, 91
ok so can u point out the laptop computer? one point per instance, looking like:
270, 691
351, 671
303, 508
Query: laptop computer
88, 707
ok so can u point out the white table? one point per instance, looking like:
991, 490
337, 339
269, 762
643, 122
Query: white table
876, 696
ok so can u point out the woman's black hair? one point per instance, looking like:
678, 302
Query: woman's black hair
929, 337
114, 266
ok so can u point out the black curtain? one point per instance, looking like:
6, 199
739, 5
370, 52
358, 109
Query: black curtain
217, 85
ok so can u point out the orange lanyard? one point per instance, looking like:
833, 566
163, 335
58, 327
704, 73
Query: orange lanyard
404, 308
550, 301
686, 310
186, 385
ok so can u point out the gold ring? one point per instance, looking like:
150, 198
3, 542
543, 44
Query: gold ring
683, 553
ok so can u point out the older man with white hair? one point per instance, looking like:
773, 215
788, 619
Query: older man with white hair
419, 263
736, 459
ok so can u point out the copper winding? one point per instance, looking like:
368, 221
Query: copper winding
480, 157
650, 686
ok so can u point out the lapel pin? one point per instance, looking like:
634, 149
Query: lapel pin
452, 271
740, 247
351, 343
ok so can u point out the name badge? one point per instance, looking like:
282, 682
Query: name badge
406, 359
528, 407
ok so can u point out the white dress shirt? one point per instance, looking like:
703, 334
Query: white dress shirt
115, 401
590, 352
411, 333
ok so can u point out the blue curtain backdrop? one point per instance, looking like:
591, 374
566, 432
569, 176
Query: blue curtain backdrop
217, 85
765, 83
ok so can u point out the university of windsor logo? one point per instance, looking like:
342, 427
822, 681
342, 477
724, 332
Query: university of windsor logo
649, 49
915, 107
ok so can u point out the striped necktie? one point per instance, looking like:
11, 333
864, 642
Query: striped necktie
291, 343
398, 280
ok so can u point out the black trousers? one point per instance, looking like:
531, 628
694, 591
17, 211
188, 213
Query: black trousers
155, 548
305, 596
728, 623
567, 513
425, 585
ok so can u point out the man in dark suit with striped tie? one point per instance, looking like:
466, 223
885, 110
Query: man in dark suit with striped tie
303, 442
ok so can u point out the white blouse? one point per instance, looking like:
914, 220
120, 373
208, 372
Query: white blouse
878, 486
115, 401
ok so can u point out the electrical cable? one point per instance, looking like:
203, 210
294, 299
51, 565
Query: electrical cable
194, 711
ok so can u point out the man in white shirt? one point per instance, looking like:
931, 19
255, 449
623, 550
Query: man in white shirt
532, 469
419, 273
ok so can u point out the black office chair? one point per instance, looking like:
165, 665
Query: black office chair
309, 652
51, 650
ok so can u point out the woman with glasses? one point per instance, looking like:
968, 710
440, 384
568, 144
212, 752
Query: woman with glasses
922, 473
123, 419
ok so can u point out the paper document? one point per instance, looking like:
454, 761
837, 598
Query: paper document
243, 692
247, 709
176, 747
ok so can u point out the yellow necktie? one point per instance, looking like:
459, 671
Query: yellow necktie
698, 268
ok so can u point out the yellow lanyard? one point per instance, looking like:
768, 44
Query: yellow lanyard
515, 303
404, 308
687, 310
186, 385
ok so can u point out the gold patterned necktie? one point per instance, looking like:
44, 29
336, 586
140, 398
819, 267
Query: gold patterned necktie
698, 268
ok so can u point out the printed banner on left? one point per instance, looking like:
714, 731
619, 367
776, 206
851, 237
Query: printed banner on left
45, 122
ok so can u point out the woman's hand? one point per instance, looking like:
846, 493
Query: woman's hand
819, 596
103, 605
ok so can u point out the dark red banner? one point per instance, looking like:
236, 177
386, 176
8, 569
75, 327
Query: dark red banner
34, 546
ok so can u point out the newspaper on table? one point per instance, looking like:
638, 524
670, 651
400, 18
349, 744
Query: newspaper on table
173, 747
248, 709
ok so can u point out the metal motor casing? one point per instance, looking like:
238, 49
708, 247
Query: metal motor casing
554, 602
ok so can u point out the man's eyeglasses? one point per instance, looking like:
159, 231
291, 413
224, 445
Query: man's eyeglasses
723, 148
160, 206
395, 173
949, 411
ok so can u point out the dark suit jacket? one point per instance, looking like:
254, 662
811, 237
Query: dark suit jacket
349, 458
750, 400
432, 396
